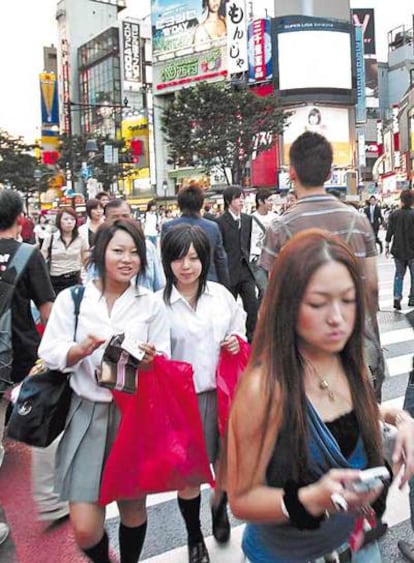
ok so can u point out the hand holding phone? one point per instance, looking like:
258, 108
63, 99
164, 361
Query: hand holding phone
370, 479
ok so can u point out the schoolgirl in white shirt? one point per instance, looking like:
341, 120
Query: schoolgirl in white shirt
204, 317
110, 305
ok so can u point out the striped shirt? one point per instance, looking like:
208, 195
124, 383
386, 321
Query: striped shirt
323, 212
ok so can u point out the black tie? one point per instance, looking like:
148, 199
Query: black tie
238, 222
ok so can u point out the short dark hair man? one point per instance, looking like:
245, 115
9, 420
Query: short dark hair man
373, 212
33, 285
311, 159
236, 230
400, 232
190, 201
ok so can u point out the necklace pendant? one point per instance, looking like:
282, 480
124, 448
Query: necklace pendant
323, 384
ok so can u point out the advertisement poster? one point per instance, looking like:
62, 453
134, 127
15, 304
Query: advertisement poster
173, 74
180, 25
260, 51
331, 122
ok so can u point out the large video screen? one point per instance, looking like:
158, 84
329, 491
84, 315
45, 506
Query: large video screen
314, 53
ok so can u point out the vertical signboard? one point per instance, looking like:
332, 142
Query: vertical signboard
259, 50
264, 165
236, 18
65, 85
360, 76
364, 18
131, 52
49, 99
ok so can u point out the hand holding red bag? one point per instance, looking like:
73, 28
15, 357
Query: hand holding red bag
160, 445
228, 372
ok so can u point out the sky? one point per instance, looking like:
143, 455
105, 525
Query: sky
28, 25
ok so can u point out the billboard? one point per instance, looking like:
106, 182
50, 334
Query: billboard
173, 74
237, 36
329, 121
131, 52
313, 53
259, 47
178, 25
364, 17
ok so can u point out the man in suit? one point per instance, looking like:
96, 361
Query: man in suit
190, 201
236, 230
373, 211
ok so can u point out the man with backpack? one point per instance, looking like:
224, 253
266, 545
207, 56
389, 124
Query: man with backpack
23, 278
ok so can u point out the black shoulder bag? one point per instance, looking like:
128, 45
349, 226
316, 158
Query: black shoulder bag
40, 412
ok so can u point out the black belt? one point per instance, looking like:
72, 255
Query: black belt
67, 275
345, 556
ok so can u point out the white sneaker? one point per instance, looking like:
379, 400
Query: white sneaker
4, 532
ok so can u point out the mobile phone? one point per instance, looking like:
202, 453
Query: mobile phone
370, 479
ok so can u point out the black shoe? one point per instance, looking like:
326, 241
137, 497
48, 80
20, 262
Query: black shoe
221, 524
407, 550
397, 304
411, 302
197, 553
375, 533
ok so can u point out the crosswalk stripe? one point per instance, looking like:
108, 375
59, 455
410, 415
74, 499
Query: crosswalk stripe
397, 336
400, 364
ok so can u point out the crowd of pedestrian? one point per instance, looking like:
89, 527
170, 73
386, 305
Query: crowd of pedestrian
306, 415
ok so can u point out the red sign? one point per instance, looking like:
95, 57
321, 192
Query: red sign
264, 166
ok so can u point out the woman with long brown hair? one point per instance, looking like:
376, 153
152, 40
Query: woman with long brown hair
305, 420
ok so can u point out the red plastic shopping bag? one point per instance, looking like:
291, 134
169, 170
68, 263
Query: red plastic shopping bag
229, 369
160, 445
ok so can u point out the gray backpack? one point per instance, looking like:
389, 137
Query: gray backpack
8, 281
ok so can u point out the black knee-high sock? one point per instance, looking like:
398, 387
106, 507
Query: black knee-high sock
131, 541
190, 509
99, 553
222, 502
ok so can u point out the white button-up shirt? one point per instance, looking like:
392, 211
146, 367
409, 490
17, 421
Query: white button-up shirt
136, 313
196, 335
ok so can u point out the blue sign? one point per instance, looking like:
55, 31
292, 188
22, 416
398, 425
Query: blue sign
361, 109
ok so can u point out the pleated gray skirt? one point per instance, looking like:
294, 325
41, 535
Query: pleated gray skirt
207, 405
85, 445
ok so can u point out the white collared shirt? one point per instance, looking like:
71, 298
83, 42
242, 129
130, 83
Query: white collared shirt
235, 217
136, 313
196, 335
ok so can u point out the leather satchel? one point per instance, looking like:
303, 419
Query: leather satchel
40, 412
118, 370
